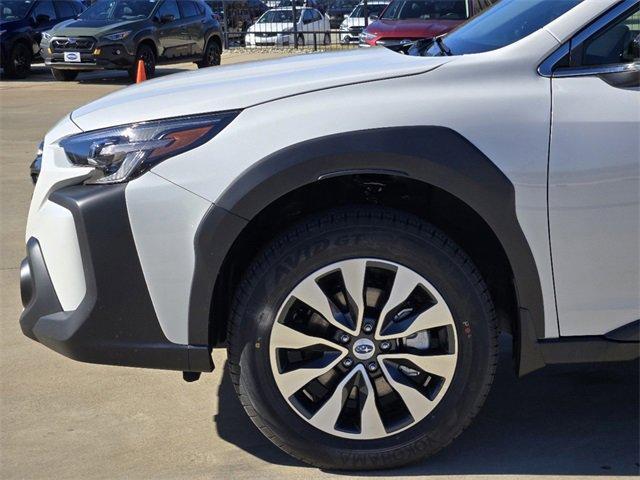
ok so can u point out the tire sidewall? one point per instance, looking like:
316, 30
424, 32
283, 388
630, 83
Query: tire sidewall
205, 60
427, 257
152, 69
13, 71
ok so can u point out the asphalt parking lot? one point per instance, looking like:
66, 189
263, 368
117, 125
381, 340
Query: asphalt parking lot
63, 419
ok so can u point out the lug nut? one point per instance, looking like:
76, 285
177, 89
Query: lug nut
344, 338
347, 362
368, 328
372, 367
385, 345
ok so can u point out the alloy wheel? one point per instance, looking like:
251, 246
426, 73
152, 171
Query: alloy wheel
363, 348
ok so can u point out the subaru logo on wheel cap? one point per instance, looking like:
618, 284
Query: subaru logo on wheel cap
363, 349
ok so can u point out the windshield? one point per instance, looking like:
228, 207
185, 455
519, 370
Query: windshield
119, 10
278, 16
287, 3
14, 10
339, 4
427, 10
503, 24
374, 9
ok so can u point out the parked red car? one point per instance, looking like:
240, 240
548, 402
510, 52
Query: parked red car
405, 21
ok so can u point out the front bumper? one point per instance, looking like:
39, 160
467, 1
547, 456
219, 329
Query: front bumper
115, 322
258, 40
112, 56
350, 36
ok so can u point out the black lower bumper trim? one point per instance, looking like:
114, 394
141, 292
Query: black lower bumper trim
588, 350
115, 323
39, 298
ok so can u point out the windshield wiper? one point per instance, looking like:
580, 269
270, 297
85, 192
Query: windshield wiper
443, 46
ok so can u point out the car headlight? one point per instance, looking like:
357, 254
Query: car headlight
125, 152
367, 37
46, 36
117, 36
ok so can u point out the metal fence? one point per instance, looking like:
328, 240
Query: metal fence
315, 28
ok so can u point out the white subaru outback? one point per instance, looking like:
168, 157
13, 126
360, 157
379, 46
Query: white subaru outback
357, 272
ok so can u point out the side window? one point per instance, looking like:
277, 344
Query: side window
65, 9
618, 43
481, 5
307, 16
169, 7
317, 16
392, 9
189, 9
78, 7
45, 7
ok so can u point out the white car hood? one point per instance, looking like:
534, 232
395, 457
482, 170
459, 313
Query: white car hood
239, 86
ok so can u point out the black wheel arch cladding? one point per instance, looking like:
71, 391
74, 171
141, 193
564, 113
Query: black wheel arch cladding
115, 323
434, 155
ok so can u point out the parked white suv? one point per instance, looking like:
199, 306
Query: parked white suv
276, 28
357, 272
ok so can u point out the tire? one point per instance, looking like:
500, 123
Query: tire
327, 39
301, 40
18, 63
148, 56
64, 75
382, 240
211, 56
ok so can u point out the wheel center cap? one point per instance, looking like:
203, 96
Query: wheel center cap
363, 349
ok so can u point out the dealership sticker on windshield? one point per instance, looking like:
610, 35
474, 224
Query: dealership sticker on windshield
71, 56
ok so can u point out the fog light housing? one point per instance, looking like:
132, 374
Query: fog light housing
97, 51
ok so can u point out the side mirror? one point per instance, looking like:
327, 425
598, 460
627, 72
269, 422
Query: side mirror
42, 18
167, 18
373, 17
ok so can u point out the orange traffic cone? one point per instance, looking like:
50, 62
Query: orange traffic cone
142, 74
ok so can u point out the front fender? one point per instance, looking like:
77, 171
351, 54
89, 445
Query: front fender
434, 155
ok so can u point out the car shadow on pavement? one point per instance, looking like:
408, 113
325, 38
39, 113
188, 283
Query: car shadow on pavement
40, 74
234, 426
562, 420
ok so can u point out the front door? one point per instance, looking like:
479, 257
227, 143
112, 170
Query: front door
172, 34
194, 25
594, 177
